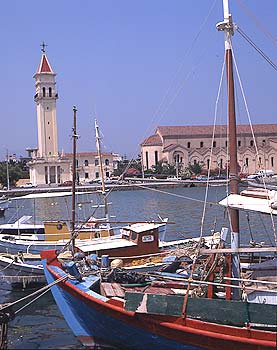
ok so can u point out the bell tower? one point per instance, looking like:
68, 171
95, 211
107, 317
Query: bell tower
45, 98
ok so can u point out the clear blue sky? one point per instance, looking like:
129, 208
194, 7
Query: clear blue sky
117, 59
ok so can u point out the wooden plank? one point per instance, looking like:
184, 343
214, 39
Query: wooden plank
118, 291
238, 250
107, 289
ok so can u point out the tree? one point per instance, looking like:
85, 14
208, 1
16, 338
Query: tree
163, 168
125, 163
193, 169
16, 171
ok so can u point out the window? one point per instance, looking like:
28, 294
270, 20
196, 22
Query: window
239, 143
251, 143
188, 145
226, 143
221, 163
208, 163
246, 161
86, 162
86, 175
107, 162
272, 161
43, 92
147, 161
96, 162
214, 143
201, 144
97, 174
46, 174
107, 174
49, 137
50, 92
194, 162
156, 158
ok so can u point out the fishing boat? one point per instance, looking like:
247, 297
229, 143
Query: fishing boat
202, 302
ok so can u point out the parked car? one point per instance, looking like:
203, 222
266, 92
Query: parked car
28, 185
66, 183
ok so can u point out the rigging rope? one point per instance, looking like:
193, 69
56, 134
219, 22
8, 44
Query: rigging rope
197, 250
258, 23
251, 42
253, 136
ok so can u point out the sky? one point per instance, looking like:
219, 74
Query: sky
133, 65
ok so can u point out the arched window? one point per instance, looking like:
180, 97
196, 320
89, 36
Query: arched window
147, 160
43, 92
208, 163
156, 158
86, 162
239, 143
50, 92
188, 145
214, 143
246, 161
107, 162
251, 143
201, 144
272, 161
96, 162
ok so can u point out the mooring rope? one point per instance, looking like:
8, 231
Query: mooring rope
42, 290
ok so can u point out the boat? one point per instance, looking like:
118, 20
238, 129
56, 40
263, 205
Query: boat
202, 302
4, 204
21, 270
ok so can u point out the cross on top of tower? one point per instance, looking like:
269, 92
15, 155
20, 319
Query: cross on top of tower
43, 45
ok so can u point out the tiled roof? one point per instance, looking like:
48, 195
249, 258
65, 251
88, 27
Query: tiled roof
153, 140
208, 129
44, 65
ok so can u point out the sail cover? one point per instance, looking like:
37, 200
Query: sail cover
251, 203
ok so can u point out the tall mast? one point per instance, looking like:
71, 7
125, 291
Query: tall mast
99, 153
228, 27
74, 137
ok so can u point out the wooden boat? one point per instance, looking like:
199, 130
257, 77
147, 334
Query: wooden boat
168, 309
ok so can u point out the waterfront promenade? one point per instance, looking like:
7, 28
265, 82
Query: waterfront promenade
129, 184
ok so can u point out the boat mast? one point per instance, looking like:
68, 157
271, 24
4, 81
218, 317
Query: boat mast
74, 137
99, 153
228, 27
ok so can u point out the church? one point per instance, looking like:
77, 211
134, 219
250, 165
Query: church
47, 165
184, 145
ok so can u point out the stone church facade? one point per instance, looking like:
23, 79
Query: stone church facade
185, 145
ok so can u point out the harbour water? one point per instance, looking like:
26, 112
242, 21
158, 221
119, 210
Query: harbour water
40, 325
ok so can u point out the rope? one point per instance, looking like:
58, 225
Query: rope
175, 195
252, 131
41, 290
205, 200
258, 23
246, 37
